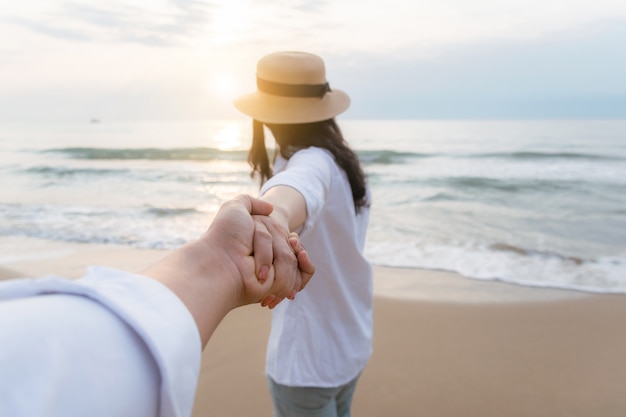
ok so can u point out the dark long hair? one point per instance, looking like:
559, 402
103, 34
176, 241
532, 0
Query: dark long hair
293, 137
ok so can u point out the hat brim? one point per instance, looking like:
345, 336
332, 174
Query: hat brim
269, 108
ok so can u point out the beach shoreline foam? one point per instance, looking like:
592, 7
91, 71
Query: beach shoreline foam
444, 345
37, 257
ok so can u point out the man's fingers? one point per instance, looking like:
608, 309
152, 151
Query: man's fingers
254, 205
285, 269
263, 254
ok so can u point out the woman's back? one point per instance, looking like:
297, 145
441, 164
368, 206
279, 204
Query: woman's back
328, 327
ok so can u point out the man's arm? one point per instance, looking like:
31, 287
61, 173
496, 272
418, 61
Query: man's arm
137, 337
218, 272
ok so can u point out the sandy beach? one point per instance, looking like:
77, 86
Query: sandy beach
444, 345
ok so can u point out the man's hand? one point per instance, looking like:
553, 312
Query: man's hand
216, 273
272, 264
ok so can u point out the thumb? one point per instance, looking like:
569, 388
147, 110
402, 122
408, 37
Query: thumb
254, 205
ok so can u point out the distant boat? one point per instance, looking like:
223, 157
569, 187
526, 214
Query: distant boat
94, 120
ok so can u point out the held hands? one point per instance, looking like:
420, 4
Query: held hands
238, 261
284, 246
271, 263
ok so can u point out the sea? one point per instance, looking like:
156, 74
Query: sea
536, 203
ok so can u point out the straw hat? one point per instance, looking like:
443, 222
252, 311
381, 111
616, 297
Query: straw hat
292, 89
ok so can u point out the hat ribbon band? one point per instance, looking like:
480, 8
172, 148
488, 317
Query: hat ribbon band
292, 90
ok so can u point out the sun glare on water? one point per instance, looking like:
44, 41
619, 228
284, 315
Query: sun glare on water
229, 137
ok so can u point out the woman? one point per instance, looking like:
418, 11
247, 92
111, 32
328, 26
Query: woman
321, 341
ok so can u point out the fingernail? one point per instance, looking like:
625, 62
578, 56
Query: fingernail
268, 301
275, 302
292, 295
263, 272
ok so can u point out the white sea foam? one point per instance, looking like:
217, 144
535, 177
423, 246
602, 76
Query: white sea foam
604, 275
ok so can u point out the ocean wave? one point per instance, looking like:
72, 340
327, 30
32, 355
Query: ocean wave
442, 196
130, 226
506, 263
506, 185
385, 156
388, 157
61, 171
377, 156
170, 211
528, 155
381, 156
52, 174
181, 154
505, 247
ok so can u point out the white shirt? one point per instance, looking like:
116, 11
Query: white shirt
110, 344
324, 337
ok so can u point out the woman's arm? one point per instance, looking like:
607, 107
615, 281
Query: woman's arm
289, 206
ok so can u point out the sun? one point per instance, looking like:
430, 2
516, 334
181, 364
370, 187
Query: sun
222, 85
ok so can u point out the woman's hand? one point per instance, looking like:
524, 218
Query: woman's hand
290, 259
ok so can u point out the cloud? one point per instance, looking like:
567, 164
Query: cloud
119, 23
97, 16
448, 58
48, 29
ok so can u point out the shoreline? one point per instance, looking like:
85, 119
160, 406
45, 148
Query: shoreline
30, 257
444, 345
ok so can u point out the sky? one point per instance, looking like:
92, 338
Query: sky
397, 59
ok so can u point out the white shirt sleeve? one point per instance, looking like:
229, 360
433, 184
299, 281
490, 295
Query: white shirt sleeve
110, 344
309, 171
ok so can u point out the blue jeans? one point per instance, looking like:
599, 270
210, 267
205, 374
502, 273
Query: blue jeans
312, 401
